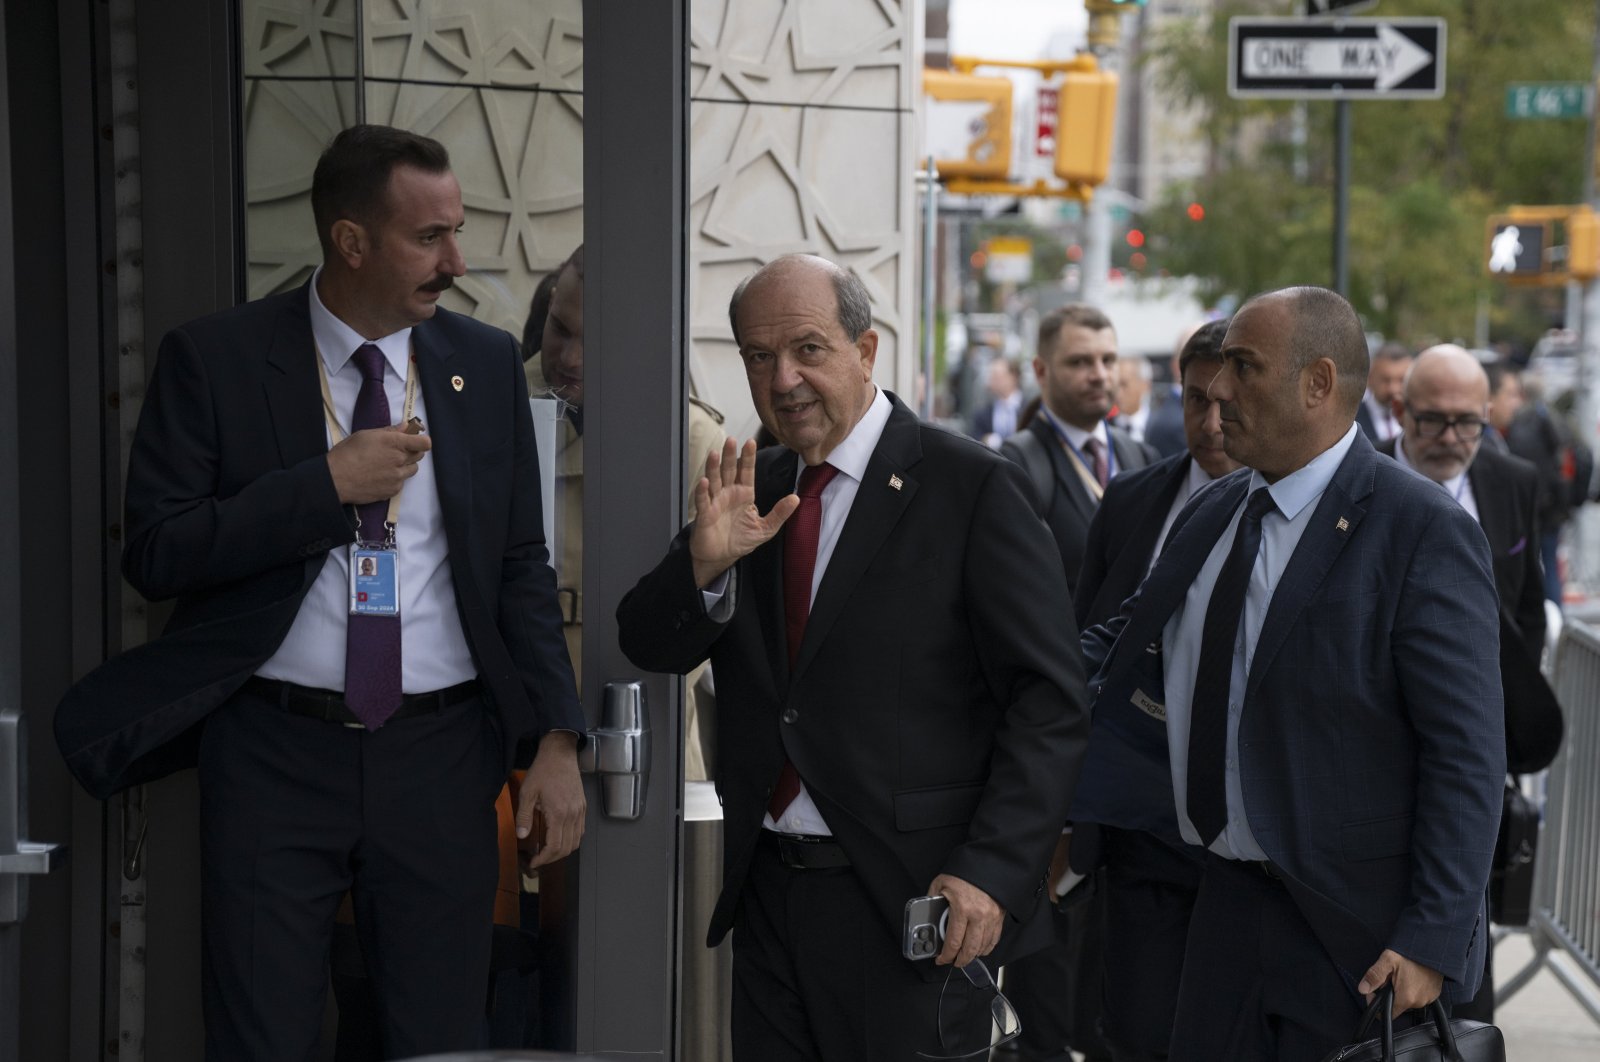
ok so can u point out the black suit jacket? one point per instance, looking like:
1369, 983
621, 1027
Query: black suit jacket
936, 710
1506, 490
1071, 506
1122, 537
231, 509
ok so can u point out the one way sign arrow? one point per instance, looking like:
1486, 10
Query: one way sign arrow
1396, 58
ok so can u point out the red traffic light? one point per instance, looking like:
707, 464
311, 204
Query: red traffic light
1135, 238
1196, 212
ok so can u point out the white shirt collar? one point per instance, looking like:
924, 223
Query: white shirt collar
1306, 484
337, 341
851, 455
1077, 436
1198, 477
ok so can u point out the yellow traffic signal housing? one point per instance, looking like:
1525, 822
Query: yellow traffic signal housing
1088, 118
969, 123
1583, 243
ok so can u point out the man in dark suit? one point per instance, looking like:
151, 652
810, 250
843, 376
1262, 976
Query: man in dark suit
1385, 378
1307, 688
1150, 885
997, 421
900, 710
352, 732
1068, 450
1163, 432
1070, 453
1443, 418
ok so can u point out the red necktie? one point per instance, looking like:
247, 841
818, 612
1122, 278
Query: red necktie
799, 564
1097, 453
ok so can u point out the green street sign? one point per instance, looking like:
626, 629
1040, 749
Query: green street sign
1548, 99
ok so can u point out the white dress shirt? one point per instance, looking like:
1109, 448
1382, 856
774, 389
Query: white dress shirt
1459, 487
1078, 437
1296, 497
1004, 424
434, 653
1192, 483
850, 457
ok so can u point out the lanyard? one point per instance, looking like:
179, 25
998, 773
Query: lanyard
338, 433
1085, 466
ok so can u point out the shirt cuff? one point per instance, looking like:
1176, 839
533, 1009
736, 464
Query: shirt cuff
720, 596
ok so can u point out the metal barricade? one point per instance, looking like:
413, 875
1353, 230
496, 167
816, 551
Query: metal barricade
1565, 927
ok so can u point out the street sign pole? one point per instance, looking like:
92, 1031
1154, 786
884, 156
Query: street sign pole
1341, 198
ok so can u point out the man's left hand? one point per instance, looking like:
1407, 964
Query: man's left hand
975, 920
555, 788
1415, 985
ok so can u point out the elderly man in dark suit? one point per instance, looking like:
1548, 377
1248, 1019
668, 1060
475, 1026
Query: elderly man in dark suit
900, 710
1307, 688
1443, 416
353, 721
1150, 885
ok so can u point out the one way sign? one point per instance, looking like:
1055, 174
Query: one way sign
1352, 58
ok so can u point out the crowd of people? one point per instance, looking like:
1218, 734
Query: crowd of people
1190, 710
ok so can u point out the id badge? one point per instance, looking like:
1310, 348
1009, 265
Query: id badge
374, 581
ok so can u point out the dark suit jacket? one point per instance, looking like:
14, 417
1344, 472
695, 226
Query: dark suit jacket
1506, 489
1371, 735
1163, 432
1364, 421
936, 711
1071, 507
231, 509
1122, 537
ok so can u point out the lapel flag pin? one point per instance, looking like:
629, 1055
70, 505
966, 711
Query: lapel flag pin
457, 382
1344, 525
896, 482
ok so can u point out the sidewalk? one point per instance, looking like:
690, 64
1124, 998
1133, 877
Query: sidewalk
1542, 1022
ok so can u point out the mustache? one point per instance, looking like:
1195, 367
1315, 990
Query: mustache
442, 282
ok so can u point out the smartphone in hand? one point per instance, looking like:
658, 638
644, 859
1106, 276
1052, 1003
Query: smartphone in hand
922, 936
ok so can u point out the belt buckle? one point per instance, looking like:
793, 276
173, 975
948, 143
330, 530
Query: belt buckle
354, 726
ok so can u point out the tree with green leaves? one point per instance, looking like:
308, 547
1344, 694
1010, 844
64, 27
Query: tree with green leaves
1424, 174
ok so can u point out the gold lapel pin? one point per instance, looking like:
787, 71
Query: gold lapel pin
457, 382
896, 482
1344, 525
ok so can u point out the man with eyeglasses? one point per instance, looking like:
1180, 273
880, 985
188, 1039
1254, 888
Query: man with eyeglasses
1444, 417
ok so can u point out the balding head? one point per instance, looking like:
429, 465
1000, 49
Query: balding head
855, 305
1443, 412
1294, 370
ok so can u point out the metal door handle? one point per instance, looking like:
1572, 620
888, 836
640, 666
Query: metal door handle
18, 856
618, 751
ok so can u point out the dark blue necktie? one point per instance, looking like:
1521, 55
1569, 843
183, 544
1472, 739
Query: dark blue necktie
1207, 792
372, 643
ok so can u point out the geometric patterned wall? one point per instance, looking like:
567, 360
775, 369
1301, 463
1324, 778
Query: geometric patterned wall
802, 138
498, 82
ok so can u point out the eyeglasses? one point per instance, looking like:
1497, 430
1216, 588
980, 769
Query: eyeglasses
1433, 425
954, 1020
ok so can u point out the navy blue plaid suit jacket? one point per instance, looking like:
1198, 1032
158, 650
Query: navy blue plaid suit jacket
1372, 733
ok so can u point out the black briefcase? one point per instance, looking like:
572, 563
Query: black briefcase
1511, 879
1439, 1040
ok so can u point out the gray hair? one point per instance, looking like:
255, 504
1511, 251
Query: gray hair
855, 305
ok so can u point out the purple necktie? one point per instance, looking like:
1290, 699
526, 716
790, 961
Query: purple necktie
372, 643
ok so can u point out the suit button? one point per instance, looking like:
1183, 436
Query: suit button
790, 715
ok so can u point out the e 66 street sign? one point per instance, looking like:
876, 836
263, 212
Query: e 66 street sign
1351, 58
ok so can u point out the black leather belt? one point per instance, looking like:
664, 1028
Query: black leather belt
805, 853
329, 706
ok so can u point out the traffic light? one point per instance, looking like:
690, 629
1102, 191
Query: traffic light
1088, 117
1516, 246
1583, 244
968, 123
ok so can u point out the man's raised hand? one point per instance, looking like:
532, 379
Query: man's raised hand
727, 525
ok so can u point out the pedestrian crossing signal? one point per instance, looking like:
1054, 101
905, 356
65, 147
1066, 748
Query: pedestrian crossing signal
1516, 247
